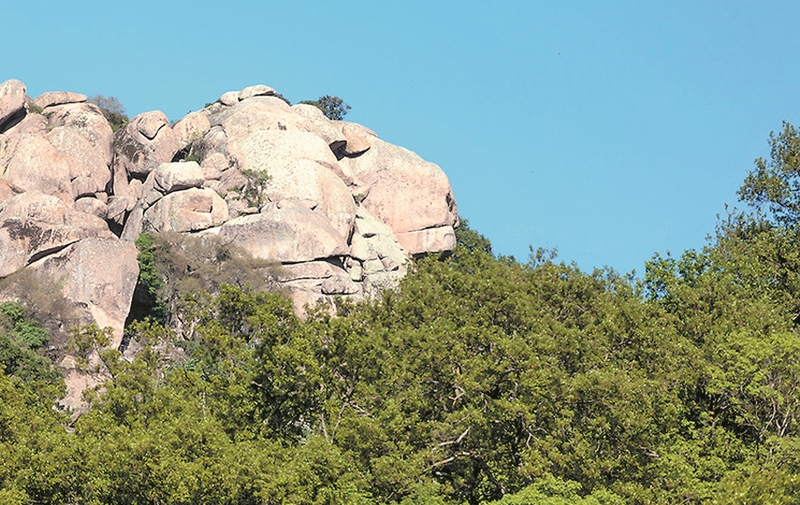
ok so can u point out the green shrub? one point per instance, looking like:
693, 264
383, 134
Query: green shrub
253, 190
112, 110
172, 265
85, 340
333, 107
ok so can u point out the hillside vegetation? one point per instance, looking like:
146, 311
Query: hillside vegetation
480, 380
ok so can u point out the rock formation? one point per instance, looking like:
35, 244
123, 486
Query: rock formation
338, 207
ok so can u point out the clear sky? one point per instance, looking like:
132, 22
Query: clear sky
608, 130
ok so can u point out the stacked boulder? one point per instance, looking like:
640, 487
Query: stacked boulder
339, 208
55, 174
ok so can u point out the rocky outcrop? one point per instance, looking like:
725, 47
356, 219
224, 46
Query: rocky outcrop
100, 272
146, 142
12, 103
337, 207
34, 225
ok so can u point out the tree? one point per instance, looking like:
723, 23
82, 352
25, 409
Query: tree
112, 109
775, 183
333, 107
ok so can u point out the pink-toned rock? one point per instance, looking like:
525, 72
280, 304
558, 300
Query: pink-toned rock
117, 207
31, 124
229, 98
150, 123
442, 238
134, 225
51, 98
329, 131
77, 382
88, 120
100, 272
257, 90
186, 211
34, 164
294, 161
89, 170
146, 142
259, 113
177, 176
8, 190
12, 102
213, 165
191, 128
357, 139
404, 191
34, 225
93, 206
292, 234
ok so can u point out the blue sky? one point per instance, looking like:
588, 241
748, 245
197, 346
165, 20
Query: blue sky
607, 130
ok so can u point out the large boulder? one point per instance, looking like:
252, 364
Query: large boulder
88, 120
34, 225
290, 235
404, 191
190, 210
100, 273
146, 142
12, 103
191, 128
171, 177
52, 98
259, 113
33, 164
89, 171
297, 163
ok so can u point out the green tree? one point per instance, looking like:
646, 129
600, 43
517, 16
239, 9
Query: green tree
254, 190
333, 107
775, 183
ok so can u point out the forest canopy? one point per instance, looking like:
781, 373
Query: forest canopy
480, 380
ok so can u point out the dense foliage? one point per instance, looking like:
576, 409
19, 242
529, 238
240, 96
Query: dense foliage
481, 380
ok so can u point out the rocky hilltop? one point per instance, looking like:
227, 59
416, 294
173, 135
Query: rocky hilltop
338, 207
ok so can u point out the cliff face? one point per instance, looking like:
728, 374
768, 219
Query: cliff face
338, 207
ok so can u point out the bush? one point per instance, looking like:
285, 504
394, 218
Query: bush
253, 190
85, 340
172, 265
112, 109
39, 299
333, 107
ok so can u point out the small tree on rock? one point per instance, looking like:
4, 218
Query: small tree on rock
112, 109
333, 107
